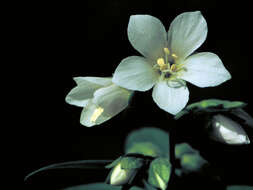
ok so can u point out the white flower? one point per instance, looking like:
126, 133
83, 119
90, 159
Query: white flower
167, 61
100, 98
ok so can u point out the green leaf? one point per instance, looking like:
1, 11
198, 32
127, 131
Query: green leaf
183, 148
215, 103
131, 163
210, 105
148, 186
148, 141
114, 163
94, 186
192, 162
79, 164
159, 173
239, 187
145, 148
136, 188
190, 158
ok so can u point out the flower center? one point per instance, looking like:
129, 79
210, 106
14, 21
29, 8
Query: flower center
167, 65
169, 68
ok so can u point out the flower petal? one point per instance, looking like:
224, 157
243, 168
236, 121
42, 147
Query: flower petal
186, 33
107, 102
89, 112
103, 81
80, 95
205, 70
147, 35
170, 99
113, 99
86, 86
135, 73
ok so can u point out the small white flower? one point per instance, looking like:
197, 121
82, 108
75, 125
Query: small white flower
100, 98
167, 61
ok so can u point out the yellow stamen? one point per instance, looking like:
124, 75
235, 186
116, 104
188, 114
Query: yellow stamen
161, 63
96, 114
166, 50
174, 55
173, 67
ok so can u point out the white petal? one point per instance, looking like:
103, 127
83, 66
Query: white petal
80, 95
147, 35
135, 73
107, 102
186, 33
89, 112
103, 81
170, 99
227, 131
113, 99
205, 70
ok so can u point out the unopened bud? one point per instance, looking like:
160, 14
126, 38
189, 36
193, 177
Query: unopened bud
121, 176
227, 131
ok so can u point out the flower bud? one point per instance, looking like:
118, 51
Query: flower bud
121, 176
227, 131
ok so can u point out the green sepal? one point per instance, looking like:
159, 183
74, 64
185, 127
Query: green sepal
114, 163
210, 105
148, 141
131, 163
94, 186
159, 173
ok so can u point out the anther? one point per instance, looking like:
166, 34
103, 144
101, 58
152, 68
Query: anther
166, 50
174, 55
173, 67
96, 114
161, 63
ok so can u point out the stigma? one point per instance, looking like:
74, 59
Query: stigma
97, 112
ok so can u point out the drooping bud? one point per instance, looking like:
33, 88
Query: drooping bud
227, 131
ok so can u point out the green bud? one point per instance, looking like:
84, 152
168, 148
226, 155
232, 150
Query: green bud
121, 176
159, 173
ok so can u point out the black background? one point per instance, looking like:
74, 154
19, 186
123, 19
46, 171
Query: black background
58, 41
